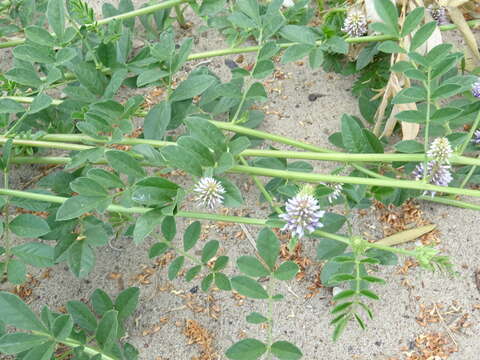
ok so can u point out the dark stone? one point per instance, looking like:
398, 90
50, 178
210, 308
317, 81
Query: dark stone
313, 97
231, 64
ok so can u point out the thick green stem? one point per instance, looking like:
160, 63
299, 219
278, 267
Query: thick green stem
11, 43
328, 154
318, 178
143, 210
285, 140
195, 215
267, 136
347, 157
28, 99
58, 160
87, 139
47, 144
449, 201
314, 178
60, 141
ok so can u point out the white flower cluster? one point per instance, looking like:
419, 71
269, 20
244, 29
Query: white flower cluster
355, 24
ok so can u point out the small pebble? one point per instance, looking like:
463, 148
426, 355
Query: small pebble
336, 290
231, 64
313, 97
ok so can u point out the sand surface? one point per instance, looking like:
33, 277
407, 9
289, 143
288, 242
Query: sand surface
157, 327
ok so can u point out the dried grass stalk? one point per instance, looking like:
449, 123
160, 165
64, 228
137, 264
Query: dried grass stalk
472, 55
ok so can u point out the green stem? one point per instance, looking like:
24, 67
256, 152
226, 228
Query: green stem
17, 124
6, 225
271, 284
65, 142
222, 52
195, 215
248, 49
143, 210
84, 40
467, 178
284, 140
180, 18
65, 160
244, 95
456, 159
89, 350
267, 136
392, 249
143, 11
449, 201
185, 254
47, 144
87, 139
128, 15
471, 23
262, 189
427, 126
28, 99
474, 127
358, 281
318, 178
265, 172
239, 108
11, 43
347, 157
307, 177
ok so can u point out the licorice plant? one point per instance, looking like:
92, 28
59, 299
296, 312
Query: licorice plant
111, 181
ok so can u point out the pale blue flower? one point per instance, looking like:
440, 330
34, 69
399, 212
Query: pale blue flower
302, 215
476, 137
476, 89
355, 24
437, 173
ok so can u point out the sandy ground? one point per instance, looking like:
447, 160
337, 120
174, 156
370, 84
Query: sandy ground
157, 327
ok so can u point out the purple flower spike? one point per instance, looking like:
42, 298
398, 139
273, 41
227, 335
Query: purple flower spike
439, 14
355, 24
439, 174
303, 215
476, 89
476, 137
